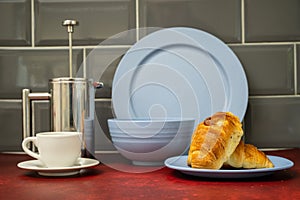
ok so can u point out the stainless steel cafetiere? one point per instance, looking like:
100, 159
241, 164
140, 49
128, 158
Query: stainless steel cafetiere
72, 103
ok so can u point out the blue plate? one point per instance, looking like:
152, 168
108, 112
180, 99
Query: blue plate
180, 163
179, 73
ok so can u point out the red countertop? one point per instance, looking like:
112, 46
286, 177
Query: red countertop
103, 182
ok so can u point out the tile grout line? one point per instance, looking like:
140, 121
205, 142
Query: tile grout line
137, 20
84, 62
273, 96
32, 119
102, 99
10, 100
32, 24
243, 20
295, 69
63, 47
264, 43
127, 46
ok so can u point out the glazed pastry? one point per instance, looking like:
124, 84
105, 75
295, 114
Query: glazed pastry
214, 140
249, 157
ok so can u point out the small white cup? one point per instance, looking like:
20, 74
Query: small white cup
55, 149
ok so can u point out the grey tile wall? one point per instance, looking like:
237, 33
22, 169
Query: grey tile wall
11, 125
103, 112
260, 60
40, 116
98, 20
221, 18
15, 23
33, 49
273, 122
272, 20
298, 68
101, 65
32, 69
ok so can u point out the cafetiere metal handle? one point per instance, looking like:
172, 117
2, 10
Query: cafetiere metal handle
26, 99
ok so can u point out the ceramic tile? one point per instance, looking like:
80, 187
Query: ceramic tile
271, 20
15, 23
11, 126
298, 68
101, 66
202, 14
269, 68
98, 20
32, 69
41, 116
273, 122
102, 136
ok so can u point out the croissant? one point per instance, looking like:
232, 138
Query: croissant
248, 156
214, 140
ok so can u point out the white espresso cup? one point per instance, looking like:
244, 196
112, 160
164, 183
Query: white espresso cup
55, 149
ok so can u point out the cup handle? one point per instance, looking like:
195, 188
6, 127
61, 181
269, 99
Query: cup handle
25, 148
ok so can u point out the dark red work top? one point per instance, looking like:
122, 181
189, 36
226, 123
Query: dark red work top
103, 182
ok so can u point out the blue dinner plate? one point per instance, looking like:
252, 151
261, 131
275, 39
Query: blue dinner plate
180, 163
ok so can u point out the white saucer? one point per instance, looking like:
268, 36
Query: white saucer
36, 165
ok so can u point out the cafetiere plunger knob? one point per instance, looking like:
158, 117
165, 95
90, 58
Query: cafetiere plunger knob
70, 23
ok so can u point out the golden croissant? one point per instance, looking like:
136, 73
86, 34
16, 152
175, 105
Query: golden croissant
249, 157
217, 141
214, 140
